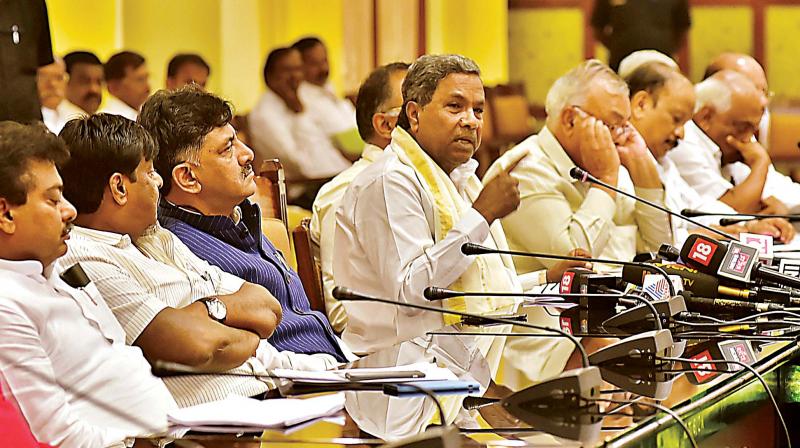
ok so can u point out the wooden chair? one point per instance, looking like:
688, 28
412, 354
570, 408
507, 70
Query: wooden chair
507, 121
307, 267
271, 198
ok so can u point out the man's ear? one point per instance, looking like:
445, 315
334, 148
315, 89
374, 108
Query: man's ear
640, 104
184, 178
412, 112
117, 188
381, 126
703, 117
568, 118
7, 224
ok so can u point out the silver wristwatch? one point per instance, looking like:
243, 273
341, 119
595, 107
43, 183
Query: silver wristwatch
216, 308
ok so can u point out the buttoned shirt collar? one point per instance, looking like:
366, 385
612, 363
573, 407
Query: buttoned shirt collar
244, 221
28, 268
101, 236
371, 152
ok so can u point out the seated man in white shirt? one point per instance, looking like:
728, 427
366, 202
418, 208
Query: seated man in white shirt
51, 82
587, 126
781, 194
187, 68
128, 82
727, 112
379, 102
403, 220
282, 127
174, 306
62, 354
85, 85
662, 101
335, 116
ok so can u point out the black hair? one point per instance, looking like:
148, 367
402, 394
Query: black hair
650, 77
179, 60
80, 57
20, 144
179, 120
374, 91
118, 64
101, 145
306, 44
272, 60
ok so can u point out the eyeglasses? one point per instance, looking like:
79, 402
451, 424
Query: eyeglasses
618, 131
393, 112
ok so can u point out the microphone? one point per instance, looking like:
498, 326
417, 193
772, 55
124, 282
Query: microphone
582, 175
477, 249
631, 364
689, 213
731, 260
700, 284
345, 294
738, 307
669, 252
436, 293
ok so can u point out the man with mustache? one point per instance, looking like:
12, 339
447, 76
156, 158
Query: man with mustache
588, 114
173, 305
403, 220
85, 85
51, 81
208, 176
662, 101
63, 357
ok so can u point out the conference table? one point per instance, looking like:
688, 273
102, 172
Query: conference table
734, 411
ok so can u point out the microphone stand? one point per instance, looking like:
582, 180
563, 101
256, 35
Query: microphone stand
477, 249
582, 175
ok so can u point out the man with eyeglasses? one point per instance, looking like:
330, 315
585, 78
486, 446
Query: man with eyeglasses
588, 115
727, 114
378, 104
51, 82
781, 194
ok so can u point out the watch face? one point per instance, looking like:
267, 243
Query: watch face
216, 309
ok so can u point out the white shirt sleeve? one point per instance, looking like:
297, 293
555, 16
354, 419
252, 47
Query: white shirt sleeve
29, 375
699, 171
397, 239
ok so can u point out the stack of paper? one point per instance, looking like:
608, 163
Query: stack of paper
251, 413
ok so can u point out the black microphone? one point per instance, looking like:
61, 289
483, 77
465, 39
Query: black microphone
731, 260
700, 284
740, 307
582, 175
669, 252
477, 249
436, 293
345, 294
738, 217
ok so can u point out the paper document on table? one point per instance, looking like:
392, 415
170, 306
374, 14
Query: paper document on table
431, 371
252, 413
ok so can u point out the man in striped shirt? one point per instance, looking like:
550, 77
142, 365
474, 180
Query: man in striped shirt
171, 304
208, 176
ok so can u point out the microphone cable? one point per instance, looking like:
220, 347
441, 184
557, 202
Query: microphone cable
753, 371
661, 408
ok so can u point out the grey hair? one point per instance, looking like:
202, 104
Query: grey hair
424, 76
713, 92
571, 88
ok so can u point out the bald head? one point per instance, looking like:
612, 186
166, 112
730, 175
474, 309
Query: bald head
740, 63
728, 104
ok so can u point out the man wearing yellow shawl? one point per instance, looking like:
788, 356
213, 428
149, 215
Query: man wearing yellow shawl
402, 222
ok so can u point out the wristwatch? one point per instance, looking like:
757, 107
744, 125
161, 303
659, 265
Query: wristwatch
216, 308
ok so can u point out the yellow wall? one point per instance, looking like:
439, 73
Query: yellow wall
781, 42
544, 44
475, 28
84, 25
715, 30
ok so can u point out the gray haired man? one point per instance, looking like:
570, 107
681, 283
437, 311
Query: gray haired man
403, 220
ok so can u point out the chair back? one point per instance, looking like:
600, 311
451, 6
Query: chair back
271, 191
307, 267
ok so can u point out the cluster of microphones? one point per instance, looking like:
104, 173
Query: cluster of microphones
700, 310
